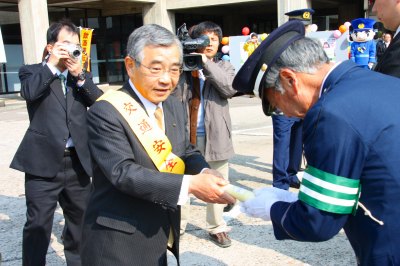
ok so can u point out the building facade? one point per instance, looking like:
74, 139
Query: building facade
23, 24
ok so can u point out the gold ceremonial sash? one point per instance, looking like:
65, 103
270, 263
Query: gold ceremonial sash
152, 138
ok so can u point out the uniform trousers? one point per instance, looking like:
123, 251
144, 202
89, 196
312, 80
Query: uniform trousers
214, 219
70, 188
288, 149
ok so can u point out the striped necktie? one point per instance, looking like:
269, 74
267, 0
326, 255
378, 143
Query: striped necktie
63, 86
158, 114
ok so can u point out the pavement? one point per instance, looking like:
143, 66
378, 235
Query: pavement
253, 241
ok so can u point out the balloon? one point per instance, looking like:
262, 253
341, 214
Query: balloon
225, 49
342, 28
263, 36
337, 34
245, 31
225, 40
347, 24
313, 27
226, 57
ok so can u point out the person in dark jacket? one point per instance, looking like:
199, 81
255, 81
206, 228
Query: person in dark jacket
388, 12
54, 152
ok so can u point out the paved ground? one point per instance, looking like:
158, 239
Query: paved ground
253, 239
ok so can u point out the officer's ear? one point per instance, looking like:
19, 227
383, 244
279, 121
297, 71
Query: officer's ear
289, 79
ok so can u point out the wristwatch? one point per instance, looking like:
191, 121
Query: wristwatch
81, 76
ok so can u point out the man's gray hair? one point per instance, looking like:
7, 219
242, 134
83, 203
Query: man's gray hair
305, 55
150, 35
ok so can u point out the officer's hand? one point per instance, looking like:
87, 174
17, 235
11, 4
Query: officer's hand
210, 188
264, 198
370, 65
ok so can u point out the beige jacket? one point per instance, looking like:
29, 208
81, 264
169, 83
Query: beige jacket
216, 92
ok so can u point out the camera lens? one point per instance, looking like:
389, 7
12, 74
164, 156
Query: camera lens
76, 53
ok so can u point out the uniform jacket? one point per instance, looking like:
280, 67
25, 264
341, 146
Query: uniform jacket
389, 62
53, 117
353, 131
216, 92
363, 52
133, 205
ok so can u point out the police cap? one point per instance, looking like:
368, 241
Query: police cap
303, 15
264, 56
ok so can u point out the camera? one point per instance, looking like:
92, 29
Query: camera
74, 50
191, 61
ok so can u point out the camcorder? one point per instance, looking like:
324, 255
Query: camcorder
74, 50
191, 62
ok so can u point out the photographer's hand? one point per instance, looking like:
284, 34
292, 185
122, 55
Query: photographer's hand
73, 65
204, 58
57, 53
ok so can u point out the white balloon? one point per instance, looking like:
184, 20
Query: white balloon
313, 27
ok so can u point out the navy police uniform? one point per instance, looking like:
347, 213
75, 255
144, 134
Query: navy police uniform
351, 143
288, 147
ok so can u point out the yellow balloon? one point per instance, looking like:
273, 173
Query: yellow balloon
263, 36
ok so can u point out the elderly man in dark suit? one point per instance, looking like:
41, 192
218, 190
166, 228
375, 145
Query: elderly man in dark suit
53, 153
144, 165
388, 12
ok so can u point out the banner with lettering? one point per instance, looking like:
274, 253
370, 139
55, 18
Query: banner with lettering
86, 40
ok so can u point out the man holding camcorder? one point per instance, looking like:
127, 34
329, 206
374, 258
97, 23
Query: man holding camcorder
54, 153
205, 93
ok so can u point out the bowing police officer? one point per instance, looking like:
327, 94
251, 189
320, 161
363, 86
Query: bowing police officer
352, 180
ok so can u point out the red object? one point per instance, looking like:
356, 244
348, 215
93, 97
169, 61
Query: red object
245, 31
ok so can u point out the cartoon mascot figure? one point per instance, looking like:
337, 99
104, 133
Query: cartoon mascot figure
363, 48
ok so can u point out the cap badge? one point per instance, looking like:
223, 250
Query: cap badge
361, 26
264, 67
306, 15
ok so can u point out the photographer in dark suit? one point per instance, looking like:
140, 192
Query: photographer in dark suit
143, 164
54, 153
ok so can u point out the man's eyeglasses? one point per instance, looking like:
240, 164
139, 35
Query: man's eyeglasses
174, 71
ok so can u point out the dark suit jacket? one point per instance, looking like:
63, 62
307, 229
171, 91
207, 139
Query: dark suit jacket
53, 117
133, 205
389, 62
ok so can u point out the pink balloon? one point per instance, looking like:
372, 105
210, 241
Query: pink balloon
347, 24
225, 49
337, 34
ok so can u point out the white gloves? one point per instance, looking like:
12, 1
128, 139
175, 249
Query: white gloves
260, 205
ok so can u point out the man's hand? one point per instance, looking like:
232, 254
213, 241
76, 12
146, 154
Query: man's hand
210, 188
260, 205
73, 65
58, 53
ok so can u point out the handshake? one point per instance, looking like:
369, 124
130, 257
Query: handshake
210, 186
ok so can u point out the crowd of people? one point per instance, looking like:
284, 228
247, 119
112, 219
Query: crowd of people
122, 165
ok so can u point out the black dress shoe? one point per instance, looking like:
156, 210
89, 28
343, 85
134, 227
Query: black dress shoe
221, 239
228, 207
295, 185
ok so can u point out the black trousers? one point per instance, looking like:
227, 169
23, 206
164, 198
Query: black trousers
70, 188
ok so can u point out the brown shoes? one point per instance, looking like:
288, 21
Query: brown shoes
221, 239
